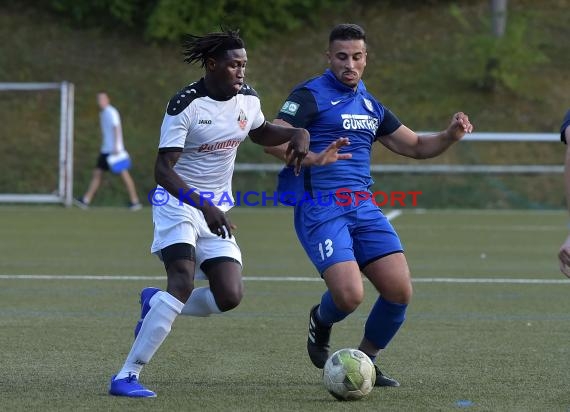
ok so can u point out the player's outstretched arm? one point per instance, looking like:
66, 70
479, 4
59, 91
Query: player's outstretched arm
329, 155
270, 134
407, 143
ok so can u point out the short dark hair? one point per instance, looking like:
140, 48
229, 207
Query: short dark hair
347, 31
200, 48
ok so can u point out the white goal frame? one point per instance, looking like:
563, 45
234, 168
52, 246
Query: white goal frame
64, 192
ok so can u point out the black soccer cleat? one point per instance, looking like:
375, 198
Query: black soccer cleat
383, 380
318, 340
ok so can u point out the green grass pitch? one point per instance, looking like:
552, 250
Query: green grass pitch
501, 346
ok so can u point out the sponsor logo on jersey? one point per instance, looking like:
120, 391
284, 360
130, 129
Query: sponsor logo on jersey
227, 144
290, 108
204, 121
242, 119
359, 122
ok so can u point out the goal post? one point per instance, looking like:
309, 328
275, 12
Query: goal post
63, 193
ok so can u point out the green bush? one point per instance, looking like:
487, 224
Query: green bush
169, 19
497, 61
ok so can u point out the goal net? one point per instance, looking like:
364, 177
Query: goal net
36, 126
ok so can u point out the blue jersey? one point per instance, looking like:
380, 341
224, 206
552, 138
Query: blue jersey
329, 109
565, 124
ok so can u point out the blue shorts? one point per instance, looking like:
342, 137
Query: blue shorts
332, 231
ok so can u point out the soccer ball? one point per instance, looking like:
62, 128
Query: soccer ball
349, 375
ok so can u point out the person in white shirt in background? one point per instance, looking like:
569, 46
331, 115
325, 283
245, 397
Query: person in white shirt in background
112, 143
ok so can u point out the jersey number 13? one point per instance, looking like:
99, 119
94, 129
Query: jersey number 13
327, 250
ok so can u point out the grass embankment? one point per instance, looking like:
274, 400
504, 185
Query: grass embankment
417, 66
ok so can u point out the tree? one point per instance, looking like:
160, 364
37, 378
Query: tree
170, 19
499, 17
498, 27
500, 57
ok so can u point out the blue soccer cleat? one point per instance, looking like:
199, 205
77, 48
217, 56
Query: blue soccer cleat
146, 295
129, 387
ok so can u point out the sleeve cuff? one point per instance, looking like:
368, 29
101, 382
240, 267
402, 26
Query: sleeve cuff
170, 149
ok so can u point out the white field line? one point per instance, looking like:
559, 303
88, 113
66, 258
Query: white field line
80, 277
393, 214
506, 281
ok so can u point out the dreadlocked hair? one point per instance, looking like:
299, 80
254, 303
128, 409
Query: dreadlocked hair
200, 48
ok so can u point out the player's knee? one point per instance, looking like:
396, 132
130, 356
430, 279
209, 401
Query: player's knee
229, 298
229, 302
405, 295
228, 295
402, 293
409, 293
179, 261
349, 299
180, 283
407, 290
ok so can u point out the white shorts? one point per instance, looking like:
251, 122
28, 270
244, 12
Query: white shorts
174, 223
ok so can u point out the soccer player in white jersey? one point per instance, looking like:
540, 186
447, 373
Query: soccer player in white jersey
112, 143
203, 126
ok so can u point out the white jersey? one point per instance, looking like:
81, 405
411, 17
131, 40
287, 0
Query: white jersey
109, 118
208, 133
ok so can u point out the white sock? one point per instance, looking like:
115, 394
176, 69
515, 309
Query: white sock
154, 330
201, 303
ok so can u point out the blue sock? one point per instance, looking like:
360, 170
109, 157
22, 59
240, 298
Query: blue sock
328, 313
384, 321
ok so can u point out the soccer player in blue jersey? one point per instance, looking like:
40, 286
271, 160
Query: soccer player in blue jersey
564, 253
343, 240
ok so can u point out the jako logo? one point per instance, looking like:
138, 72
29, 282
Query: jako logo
201, 121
